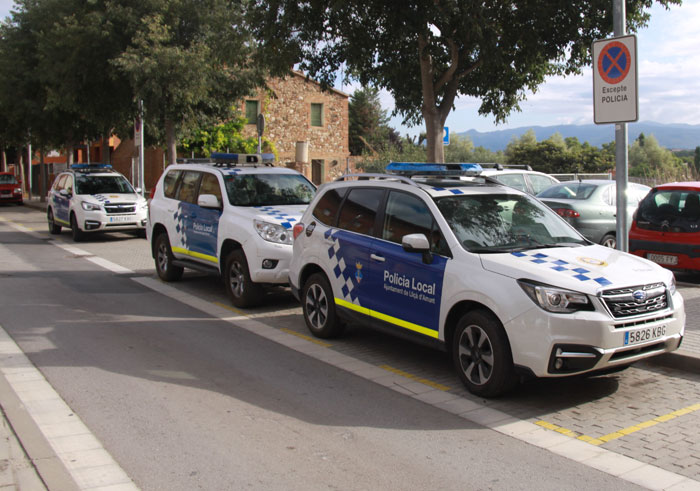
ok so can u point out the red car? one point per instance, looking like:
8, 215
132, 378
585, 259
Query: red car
666, 226
10, 189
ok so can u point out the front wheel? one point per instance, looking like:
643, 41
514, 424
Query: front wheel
242, 290
481, 355
609, 240
78, 235
319, 307
54, 229
164, 260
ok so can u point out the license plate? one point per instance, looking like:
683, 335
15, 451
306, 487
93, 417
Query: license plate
7, 195
663, 259
119, 219
643, 335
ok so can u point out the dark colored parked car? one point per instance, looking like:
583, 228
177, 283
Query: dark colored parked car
590, 206
666, 227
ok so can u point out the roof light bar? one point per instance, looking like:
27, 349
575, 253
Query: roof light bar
433, 169
243, 158
90, 166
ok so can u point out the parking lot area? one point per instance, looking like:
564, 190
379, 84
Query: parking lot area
648, 412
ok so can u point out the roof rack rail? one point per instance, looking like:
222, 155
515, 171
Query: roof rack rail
368, 176
219, 159
498, 166
432, 169
92, 167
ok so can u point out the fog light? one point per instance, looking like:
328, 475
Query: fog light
269, 263
91, 225
559, 364
143, 222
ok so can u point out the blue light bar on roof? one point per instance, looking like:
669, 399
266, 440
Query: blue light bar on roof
433, 169
90, 166
244, 158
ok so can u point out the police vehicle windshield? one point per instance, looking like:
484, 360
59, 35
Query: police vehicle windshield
268, 189
92, 184
493, 223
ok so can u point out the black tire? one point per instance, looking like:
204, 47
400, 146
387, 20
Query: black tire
54, 229
609, 240
481, 355
319, 307
164, 260
243, 291
78, 235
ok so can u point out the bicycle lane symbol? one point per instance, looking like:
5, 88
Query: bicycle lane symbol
614, 62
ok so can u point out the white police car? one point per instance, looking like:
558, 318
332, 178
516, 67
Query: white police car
231, 215
94, 198
482, 270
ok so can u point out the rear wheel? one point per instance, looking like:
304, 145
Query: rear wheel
78, 235
481, 355
242, 290
164, 260
319, 307
54, 229
609, 240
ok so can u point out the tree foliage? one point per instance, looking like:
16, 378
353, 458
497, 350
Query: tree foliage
224, 137
426, 53
369, 129
647, 159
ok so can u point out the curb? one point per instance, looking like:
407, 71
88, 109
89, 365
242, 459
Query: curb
680, 359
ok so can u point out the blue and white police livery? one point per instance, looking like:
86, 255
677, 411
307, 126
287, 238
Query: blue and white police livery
482, 270
231, 215
94, 198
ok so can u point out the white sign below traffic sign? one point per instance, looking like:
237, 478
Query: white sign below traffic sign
615, 97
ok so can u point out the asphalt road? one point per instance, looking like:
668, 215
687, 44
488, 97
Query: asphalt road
185, 400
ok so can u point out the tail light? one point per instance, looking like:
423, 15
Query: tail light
298, 228
567, 212
153, 192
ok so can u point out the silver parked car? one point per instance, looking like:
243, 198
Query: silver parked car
591, 206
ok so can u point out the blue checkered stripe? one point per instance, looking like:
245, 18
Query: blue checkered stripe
581, 274
284, 219
452, 190
180, 225
100, 198
340, 269
232, 171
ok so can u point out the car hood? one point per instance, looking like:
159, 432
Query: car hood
284, 215
588, 269
113, 198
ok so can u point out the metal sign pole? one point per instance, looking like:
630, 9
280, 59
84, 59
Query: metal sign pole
141, 181
619, 29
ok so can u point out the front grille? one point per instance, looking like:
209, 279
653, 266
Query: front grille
117, 209
636, 300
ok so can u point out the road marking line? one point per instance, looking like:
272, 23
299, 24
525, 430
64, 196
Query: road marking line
624, 431
232, 309
308, 338
415, 378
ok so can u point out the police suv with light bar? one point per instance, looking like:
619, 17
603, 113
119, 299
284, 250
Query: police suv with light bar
231, 215
440, 255
94, 198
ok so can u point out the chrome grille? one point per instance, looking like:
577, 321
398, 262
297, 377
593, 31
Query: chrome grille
636, 300
116, 209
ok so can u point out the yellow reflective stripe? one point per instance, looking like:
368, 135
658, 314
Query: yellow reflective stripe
61, 221
387, 318
198, 255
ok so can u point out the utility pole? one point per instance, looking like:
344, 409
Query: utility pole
620, 29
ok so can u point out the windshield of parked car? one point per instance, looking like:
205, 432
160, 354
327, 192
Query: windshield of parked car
268, 189
7, 179
91, 184
569, 190
670, 210
491, 223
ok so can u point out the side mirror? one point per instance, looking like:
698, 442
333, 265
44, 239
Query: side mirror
417, 243
209, 201
138, 190
64, 192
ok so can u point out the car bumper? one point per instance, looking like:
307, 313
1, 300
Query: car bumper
687, 256
100, 222
558, 345
11, 198
268, 262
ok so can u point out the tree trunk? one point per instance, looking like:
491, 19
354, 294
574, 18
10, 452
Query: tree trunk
42, 177
106, 151
433, 133
69, 154
21, 171
29, 170
3, 160
171, 149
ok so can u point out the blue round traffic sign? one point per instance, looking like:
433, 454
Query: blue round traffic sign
614, 62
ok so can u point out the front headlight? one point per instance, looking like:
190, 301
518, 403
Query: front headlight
90, 206
143, 205
18, 191
672, 286
554, 299
272, 232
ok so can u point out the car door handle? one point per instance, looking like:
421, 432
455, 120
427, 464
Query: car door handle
375, 257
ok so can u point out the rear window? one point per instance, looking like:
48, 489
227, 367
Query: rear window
569, 190
676, 210
327, 207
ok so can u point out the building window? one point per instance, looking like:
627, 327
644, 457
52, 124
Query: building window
251, 111
316, 114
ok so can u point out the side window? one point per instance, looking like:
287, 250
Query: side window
540, 183
327, 207
69, 184
188, 187
210, 185
516, 181
360, 210
60, 182
170, 183
406, 214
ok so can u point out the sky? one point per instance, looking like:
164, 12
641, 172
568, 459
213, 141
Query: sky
668, 57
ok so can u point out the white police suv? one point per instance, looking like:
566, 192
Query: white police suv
231, 215
94, 198
481, 270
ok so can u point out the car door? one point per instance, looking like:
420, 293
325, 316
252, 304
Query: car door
186, 214
61, 200
405, 288
203, 223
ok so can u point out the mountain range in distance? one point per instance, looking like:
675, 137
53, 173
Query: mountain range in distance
671, 136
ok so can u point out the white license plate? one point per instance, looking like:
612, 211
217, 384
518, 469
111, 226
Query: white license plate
6, 194
663, 259
643, 335
119, 219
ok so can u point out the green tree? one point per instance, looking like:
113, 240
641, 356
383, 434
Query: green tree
461, 149
696, 159
648, 159
426, 53
368, 123
224, 137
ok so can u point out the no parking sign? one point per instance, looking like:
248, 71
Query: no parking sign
615, 80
